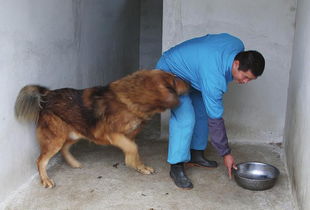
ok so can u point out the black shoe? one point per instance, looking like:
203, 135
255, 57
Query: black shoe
198, 159
179, 177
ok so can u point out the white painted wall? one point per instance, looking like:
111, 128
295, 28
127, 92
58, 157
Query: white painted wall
256, 111
57, 44
297, 127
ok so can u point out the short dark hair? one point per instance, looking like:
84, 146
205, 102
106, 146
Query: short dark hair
251, 60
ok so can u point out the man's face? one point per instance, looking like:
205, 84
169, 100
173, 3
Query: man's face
239, 76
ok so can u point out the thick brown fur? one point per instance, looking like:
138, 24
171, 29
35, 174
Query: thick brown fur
111, 115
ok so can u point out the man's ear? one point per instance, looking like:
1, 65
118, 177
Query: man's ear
236, 64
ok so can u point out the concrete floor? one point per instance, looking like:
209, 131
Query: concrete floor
106, 183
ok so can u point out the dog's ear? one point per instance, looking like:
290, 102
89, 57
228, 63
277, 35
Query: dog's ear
175, 84
180, 86
175, 87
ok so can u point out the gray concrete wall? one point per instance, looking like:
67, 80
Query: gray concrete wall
150, 51
297, 127
57, 44
150, 33
256, 111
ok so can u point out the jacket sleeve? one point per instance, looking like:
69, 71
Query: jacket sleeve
218, 136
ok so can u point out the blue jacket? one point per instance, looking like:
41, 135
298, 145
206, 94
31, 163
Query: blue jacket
206, 63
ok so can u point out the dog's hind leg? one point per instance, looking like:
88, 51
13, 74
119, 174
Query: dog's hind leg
51, 133
130, 150
42, 162
65, 151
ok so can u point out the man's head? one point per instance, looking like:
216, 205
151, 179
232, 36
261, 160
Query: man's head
247, 65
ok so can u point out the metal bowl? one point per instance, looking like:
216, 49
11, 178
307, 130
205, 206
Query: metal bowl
256, 176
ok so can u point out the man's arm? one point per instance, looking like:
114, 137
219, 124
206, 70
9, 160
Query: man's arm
219, 140
213, 89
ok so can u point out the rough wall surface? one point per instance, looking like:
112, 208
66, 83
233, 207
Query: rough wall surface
297, 127
57, 44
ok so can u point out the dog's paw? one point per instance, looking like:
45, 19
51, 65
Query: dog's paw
145, 170
48, 183
76, 165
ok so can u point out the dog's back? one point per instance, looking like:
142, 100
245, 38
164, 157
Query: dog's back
34, 102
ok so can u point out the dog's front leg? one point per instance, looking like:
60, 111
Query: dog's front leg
130, 150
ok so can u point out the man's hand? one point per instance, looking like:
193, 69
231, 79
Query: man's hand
229, 162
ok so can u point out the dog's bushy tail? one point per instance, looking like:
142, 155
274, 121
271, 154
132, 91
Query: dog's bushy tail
29, 102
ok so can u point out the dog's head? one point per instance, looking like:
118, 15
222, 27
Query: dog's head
170, 87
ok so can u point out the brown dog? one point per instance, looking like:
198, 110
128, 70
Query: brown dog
112, 114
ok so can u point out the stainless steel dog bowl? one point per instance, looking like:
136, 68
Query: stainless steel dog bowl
256, 175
